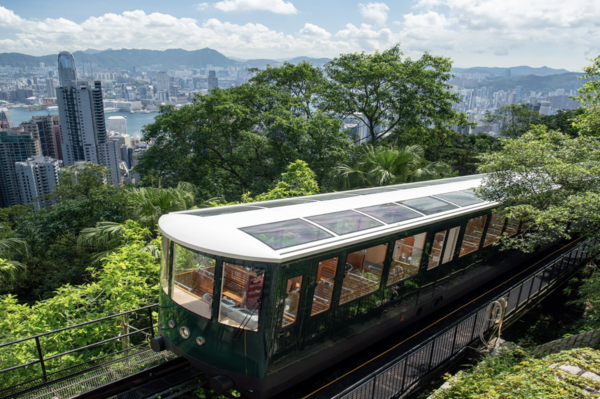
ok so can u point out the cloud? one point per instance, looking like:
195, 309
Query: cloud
314, 31
276, 6
202, 6
374, 13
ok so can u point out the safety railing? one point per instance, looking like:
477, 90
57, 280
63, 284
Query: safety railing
403, 373
51, 356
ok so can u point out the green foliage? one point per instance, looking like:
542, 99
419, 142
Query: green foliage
514, 119
147, 204
384, 90
515, 374
380, 166
547, 179
589, 122
298, 180
51, 236
589, 296
128, 279
241, 139
79, 182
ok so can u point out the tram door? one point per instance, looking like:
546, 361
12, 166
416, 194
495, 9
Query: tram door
291, 306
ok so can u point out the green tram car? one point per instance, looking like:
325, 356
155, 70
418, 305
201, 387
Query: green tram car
260, 296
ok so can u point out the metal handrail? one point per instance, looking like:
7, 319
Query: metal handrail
372, 377
41, 359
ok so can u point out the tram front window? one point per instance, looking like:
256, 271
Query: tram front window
241, 295
193, 280
164, 265
362, 272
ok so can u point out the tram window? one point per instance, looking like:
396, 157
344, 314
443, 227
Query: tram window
324, 286
292, 301
451, 246
512, 227
407, 258
494, 231
473, 234
193, 280
436, 250
164, 265
362, 273
241, 294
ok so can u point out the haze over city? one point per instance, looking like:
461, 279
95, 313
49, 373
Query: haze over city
537, 33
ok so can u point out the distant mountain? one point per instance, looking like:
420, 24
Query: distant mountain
93, 51
315, 61
125, 58
514, 71
567, 81
262, 63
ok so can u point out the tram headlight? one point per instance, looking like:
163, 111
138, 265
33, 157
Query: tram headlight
184, 332
172, 323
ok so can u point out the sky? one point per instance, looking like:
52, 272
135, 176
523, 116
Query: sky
502, 33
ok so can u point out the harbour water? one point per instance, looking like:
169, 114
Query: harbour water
135, 122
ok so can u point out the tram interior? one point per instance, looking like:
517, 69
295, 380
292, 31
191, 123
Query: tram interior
324, 287
362, 273
240, 298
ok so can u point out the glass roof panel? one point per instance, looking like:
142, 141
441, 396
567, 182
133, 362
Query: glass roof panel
390, 213
461, 198
344, 222
428, 205
223, 210
286, 234
286, 202
332, 196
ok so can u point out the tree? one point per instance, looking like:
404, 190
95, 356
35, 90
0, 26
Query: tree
589, 122
548, 180
79, 181
380, 166
389, 94
241, 139
514, 119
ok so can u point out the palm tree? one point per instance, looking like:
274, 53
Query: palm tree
144, 205
147, 204
380, 166
10, 246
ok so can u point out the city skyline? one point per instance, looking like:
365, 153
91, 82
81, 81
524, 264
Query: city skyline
486, 33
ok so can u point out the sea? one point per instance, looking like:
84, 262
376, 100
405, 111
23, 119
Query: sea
135, 122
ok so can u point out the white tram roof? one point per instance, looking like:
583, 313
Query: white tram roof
284, 230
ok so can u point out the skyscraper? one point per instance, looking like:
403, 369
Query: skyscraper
16, 145
82, 123
49, 131
213, 81
67, 72
50, 91
162, 84
37, 177
5, 119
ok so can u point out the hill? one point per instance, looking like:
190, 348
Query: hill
125, 58
514, 71
529, 83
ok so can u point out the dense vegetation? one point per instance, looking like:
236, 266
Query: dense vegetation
95, 252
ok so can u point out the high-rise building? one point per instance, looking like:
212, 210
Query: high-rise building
162, 82
49, 131
37, 177
82, 123
5, 119
50, 90
67, 72
213, 81
117, 124
16, 145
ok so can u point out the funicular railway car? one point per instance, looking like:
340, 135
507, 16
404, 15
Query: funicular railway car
260, 296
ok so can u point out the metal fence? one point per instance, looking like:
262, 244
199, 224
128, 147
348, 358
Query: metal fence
403, 373
38, 361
